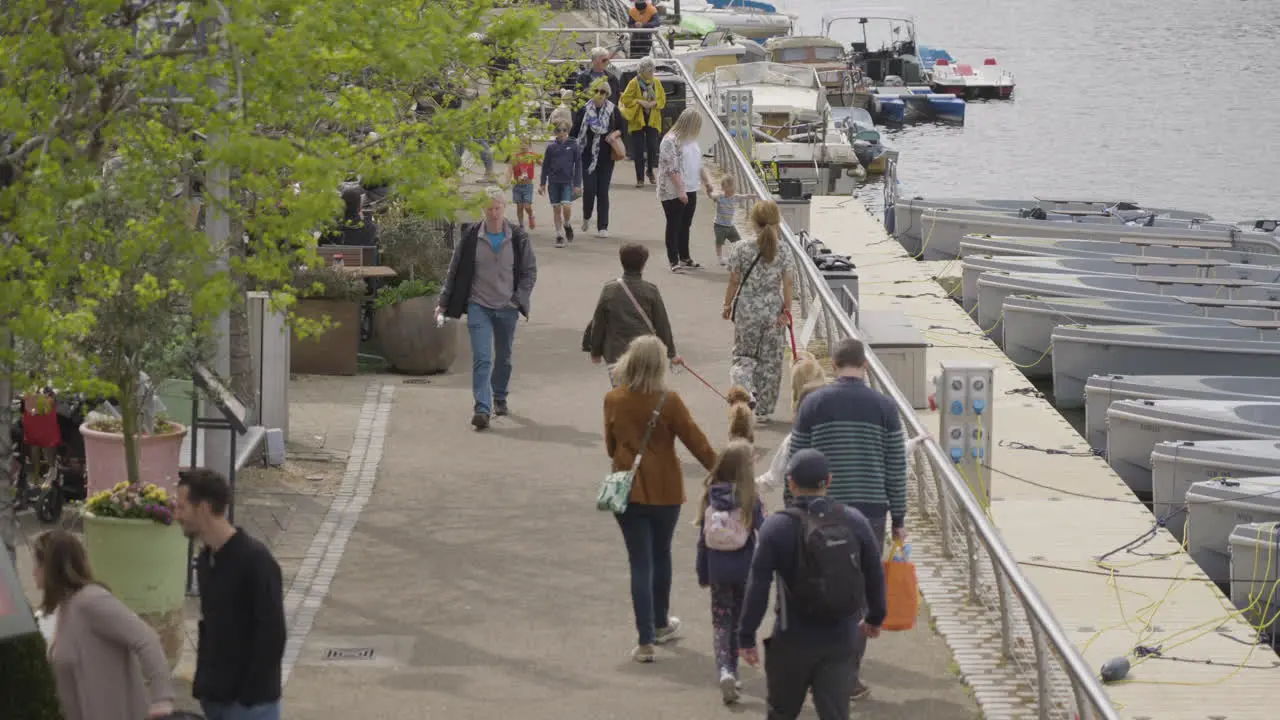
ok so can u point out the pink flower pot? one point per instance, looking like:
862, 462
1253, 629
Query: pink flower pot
159, 457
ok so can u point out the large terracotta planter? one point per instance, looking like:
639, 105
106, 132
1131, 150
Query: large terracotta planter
333, 352
410, 340
144, 564
159, 457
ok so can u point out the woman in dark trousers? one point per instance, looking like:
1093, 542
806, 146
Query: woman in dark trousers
679, 170
653, 509
595, 126
642, 103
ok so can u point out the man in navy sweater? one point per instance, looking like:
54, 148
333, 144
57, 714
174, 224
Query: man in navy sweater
860, 433
804, 653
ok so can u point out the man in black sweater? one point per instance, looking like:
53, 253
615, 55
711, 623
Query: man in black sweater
808, 652
242, 626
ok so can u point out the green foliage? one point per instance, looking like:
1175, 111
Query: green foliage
114, 134
406, 290
328, 282
415, 246
27, 687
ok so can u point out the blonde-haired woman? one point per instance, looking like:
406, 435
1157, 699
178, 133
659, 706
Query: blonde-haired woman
649, 522
597, 127
758, 301
642, 104
107, 663
679, 170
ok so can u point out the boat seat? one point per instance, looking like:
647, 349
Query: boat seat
964, 70
1258, 324
1220, 282
1228, 302
1152, 260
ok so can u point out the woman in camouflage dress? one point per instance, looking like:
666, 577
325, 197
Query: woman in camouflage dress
758, 301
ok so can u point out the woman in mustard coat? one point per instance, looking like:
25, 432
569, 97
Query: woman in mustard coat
641, 105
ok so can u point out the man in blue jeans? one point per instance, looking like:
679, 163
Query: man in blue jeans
490, 280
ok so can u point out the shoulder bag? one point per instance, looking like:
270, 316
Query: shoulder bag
636, 304
615, 491
733, 306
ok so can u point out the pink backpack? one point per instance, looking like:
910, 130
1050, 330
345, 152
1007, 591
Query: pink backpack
724, 529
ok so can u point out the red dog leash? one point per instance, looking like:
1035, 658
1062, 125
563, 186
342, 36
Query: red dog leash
704, 382
791, 330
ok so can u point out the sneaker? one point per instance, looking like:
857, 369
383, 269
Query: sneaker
860, 691
500, 408
652, 181
668, 633
737, 681
643, 654
480, 421
568, 232
639, 183
690, 263
728, 687
763, 419
676, 267
602, 233
722, 262
586, 224
532, 223
559, 241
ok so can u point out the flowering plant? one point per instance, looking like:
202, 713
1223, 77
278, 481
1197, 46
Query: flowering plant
133, 501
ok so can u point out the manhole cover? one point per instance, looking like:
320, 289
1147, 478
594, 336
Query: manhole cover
348, 654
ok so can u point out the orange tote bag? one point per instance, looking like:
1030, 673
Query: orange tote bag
902, 591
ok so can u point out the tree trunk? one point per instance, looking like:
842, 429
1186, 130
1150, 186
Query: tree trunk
26, 682
242, 376
8, 515
129, 427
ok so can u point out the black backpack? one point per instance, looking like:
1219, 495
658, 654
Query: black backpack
827, 585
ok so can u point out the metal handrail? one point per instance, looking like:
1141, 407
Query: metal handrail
1090, 699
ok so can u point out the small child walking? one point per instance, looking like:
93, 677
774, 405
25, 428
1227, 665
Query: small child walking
562, 171
522, 169
729, 515
726, 209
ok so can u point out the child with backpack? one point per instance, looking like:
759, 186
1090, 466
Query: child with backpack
730, 513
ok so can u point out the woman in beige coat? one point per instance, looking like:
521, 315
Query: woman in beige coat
107, 663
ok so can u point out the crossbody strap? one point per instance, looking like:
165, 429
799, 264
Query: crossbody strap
733, 307
636, 304
648, 431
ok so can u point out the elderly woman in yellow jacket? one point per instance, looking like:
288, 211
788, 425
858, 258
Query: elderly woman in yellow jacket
642, 104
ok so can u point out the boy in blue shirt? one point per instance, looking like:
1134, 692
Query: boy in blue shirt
562, 171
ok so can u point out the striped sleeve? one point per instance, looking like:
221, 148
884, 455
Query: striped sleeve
895, 467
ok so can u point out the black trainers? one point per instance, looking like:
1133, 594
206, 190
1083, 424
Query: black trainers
500, 408
860, 692
568, 232
690, 263
480, 421
676, 267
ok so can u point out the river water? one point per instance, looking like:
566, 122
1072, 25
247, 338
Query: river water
1170, 103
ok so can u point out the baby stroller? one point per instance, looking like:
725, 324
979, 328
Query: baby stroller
55, 428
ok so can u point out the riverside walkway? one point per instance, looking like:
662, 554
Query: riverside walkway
479, 581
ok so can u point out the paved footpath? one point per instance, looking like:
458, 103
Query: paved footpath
468, 575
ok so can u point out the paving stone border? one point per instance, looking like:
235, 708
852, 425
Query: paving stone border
310, 586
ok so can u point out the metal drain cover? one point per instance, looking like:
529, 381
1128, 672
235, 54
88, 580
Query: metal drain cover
348, 653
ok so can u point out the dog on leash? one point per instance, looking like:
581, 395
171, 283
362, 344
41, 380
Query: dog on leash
804, 371
742, 423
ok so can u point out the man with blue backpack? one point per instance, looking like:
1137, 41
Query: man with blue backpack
830, 587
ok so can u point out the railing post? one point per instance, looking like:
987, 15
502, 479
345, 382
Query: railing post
1043, 696
1006, 621
944, 512
971, 553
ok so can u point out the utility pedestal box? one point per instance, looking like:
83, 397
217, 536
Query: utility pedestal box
901, 348
964, 397
795, 213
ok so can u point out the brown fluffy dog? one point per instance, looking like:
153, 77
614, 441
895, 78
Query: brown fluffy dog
742, 424
805, 370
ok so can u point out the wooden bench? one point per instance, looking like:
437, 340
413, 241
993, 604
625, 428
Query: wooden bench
352, 255
367, 272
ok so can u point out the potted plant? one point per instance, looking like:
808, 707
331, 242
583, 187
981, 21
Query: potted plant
404, 324
26, 679
326, 338
138, 551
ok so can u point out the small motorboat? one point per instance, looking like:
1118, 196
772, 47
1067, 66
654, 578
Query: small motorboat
867, 142
988, 81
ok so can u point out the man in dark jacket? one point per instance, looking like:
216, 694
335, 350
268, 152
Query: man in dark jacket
490, 280
805, 653
618, 320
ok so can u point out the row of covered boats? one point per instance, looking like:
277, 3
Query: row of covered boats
1164, 327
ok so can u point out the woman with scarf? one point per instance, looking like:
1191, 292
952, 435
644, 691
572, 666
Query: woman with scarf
642, 104
598, 129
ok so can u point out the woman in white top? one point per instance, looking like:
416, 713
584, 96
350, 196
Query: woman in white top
679, 170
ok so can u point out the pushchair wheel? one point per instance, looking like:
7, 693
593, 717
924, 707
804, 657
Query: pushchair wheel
49, 505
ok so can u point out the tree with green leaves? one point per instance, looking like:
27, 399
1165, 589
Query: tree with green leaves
125, 124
